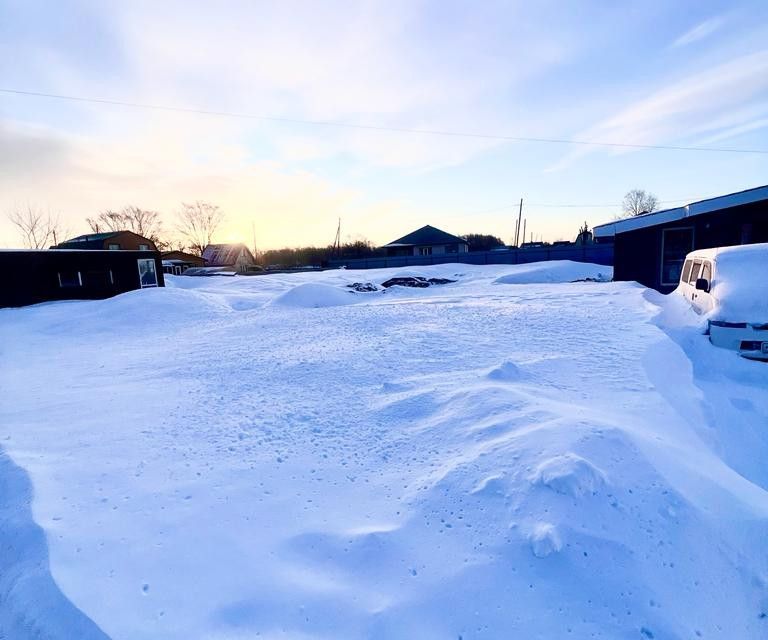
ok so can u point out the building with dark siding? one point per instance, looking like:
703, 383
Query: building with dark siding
651, 248
44, 276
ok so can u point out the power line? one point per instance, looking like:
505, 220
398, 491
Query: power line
324, 123
556, 205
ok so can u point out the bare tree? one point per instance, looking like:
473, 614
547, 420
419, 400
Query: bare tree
197, 222
639, 201
38, 229
144, 222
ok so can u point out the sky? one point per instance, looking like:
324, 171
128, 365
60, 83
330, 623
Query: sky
652, 72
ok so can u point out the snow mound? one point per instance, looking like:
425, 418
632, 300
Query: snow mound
132, 312
545, 540
569, 474
491, 485
555, 271
506, 372
25, 583
310, 294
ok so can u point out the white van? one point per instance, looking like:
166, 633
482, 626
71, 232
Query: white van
729, 285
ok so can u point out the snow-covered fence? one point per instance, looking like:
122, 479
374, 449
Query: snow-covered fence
594, 253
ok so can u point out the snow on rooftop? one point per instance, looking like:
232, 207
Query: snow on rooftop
679, 213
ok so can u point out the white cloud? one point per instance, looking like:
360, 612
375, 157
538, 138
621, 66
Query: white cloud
732, 132
372, 63
683, 108
700, 31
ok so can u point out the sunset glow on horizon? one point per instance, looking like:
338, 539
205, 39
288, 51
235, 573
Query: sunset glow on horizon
697, 76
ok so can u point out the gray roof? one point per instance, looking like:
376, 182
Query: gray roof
427, 235
698, 208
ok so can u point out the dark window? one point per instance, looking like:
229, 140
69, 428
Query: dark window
675, 245
425, 251
97, 279
143, 247
147, 273
69, 279
451, 248
686, 271
114, 247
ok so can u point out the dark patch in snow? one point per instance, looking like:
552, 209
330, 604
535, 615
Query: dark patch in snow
363, 287
416, 282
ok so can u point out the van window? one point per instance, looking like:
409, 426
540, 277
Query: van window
694, 272
686, 270
706, 271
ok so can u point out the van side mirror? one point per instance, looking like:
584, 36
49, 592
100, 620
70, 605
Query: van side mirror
702, 284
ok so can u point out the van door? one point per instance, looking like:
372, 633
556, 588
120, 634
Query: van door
684, 276
690, 285
703, 300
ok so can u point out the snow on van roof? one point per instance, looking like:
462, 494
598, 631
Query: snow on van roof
748, 251
739, 284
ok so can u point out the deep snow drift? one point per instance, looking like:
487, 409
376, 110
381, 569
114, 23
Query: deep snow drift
280, 457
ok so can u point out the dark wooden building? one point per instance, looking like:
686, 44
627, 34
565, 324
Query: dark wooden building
110, 240
43, 276
177, 262
427, 241
651, 248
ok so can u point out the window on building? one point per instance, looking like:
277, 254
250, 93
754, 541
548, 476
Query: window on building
675, 245
147, 273
143, 247
69, 279
97, 279
451, 248
113, 247
425, 251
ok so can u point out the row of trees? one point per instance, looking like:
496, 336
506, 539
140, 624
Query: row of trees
194, 226
196, 223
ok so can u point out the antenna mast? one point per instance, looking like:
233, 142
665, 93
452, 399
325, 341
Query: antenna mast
337, 240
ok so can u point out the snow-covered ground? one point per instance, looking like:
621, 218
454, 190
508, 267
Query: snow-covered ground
509, 456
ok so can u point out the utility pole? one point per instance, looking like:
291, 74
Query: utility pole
524, 223
517, 230
337, 240
253, 233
